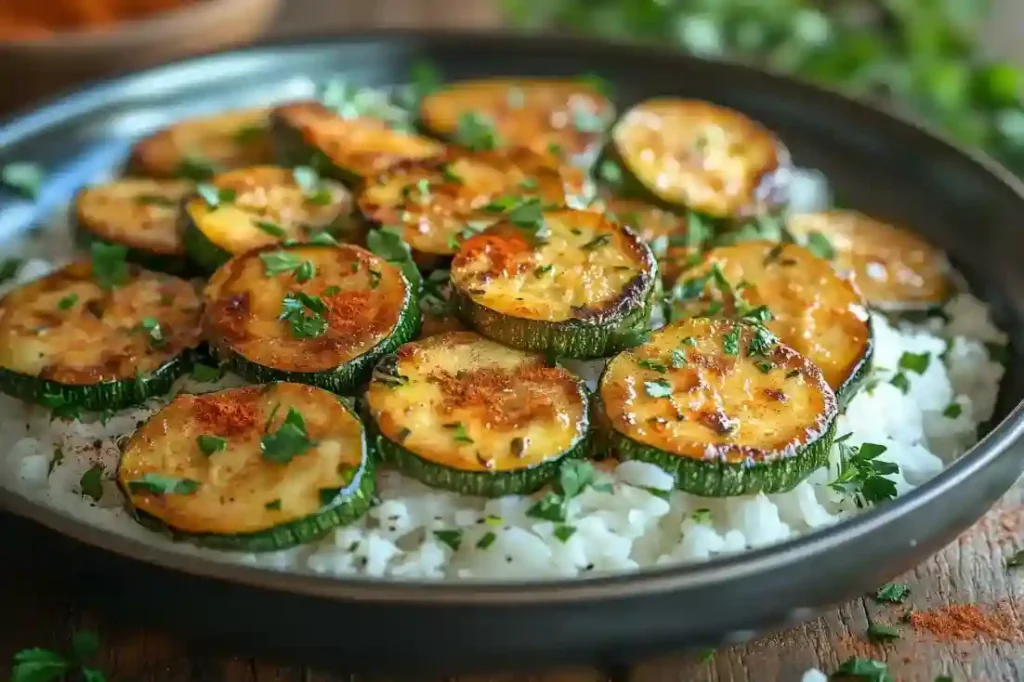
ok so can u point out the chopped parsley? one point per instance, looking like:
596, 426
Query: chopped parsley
215, 196
425, 79
387, 243
574, 477
597, 242
45, 665
68, 301
278, 262
953, 410
24, 178
322, 238
91, 483
610, 172
304, 314
915, 362
659, 388
564, 532
731, 341
882, 633
308, 180
449, 174
460, 434
901, 382
109, 267
273, 505
476, 132
528, 183
486, 540
866, 669
652, 365
678, 358
289, 441
211, 444
701, 516
820, 246
542, 270
862, 474
452, 538
159, 484
151, 326
271, 228
206, 374
892, 592
196, 167
9, 268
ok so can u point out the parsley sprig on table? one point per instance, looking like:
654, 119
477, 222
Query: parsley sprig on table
46, 665
862, 475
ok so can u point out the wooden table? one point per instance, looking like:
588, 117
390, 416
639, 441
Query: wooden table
38, 604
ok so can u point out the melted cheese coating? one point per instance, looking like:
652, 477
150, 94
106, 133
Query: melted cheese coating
440, 202
692, 153
817, 312
472, 404
235, 139
540, 114
892, 267
139, 213
585, 265
66, 328
237, 483
715, 405
364, 296
269, 194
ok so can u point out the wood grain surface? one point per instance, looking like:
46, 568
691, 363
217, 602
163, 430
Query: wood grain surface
39, 606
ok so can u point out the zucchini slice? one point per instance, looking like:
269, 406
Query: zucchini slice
253, 207
569, 282
724, 409
311, 314
345, 149
443, 202
65, 340
698, 156
895, 269
253, 469
816, 311
138, 213
461, 412
197, 148
562, 116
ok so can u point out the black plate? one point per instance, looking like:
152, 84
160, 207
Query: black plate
963, 203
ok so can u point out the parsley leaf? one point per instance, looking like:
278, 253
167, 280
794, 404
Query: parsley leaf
901, 382
68, 301
882, 633
486, 540
277, 262
304, 314
271, 228
211, 444
476, 132
820, 246
953, 410
548, 508
109, 267
678, 358
9, 268
651, 365
308, 180
862, 474
461, 435
731, 341
597, 242
152, 327
39, 665
196, 167
866, 669
893, 592
915, 362
564, 532
697, 231
24, 178
452, 538
215, 196
91, 483
610, 172
160, 484
387, 243
289, 441
660, 388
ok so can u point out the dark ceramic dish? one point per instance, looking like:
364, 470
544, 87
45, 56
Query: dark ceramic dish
963, 203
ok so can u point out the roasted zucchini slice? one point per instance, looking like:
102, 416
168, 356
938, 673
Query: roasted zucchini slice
654, 224
461, 412
816, 311
97, 341
443, 202
698, 156
252, 207
198, 148
569, 282
140, 214
345, 149
252, 469
561, 116
895, 269
721, 405
311, 314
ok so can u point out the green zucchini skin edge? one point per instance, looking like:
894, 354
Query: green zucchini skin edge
859, 377
206, 255
712, 478
581, 339
290, 150
107, 395
351, 507
170, 264
341, 380
476, 483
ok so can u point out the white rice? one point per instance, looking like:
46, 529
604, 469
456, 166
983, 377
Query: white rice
627, 528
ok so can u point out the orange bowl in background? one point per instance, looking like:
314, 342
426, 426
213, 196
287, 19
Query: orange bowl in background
32, 67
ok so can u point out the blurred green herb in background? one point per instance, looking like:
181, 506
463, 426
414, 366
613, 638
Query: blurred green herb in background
922, 55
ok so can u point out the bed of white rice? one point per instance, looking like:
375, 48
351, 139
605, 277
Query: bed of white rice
627, 528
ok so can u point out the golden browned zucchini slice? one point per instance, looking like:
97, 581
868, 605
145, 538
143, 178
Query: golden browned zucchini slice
138, 213
812, 308
252, 469
461, 412
568, 282
78, 339
260, 206
442, 203
197, 148
345, 149
702, 157
726, 409
895, 269
311, 314
562, 116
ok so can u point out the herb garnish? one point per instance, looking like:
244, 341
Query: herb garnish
24, 178
893, 592
476, 132
697, 231
277, 262
45, 665
460, 435
486, 540
882, 633
160, 484
304, 314
915, 362
610, 172
866, 669
312, 187
542, 270
290, 439
564, 532
862, 474
91, 483
196, 167
953, 410
701, 516
61, 407
652, 365
68, 301
152, 327
597, 242
678, 358
449, 174
9, 268
901, 382
659, 388
731, 341
273, 505
820, 246
215, 196
574, 477
211, 444
109, 267
271, 228
387, 243
452, 538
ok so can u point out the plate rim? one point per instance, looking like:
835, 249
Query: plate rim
649, 582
